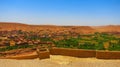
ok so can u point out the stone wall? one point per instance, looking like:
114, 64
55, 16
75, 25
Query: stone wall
73, 52
108, 54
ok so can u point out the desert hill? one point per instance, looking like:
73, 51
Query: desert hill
53, 28
108, 28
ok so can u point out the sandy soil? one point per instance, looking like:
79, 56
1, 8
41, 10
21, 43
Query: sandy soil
60, 61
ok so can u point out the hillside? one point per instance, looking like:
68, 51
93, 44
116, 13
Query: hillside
53, 28
108, 29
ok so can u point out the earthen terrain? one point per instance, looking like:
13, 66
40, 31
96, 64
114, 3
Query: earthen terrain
8, 26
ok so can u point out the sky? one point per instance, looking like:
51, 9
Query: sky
61, 12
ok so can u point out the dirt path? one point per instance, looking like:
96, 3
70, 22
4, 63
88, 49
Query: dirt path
60, 61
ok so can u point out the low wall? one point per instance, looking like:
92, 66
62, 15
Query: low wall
21, 57
70, 52
43, 55
108, 54
73, 52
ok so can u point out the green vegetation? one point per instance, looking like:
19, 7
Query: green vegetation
114, 47
67, 43
16, 47
97, 41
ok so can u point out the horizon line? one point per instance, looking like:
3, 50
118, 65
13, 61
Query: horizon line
57, 24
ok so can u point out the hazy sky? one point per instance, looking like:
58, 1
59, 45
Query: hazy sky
61, 12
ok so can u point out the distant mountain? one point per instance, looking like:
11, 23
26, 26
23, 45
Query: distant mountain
13, 26
108, 28
54, 28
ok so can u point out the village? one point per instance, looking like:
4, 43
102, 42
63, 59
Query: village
44, 42
19, 37
63, 38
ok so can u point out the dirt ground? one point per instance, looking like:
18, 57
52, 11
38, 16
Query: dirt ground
60, 61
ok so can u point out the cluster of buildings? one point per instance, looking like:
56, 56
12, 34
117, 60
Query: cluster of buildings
19, 37
11, 38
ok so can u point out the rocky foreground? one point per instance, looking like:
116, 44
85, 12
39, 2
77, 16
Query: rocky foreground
60, 61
